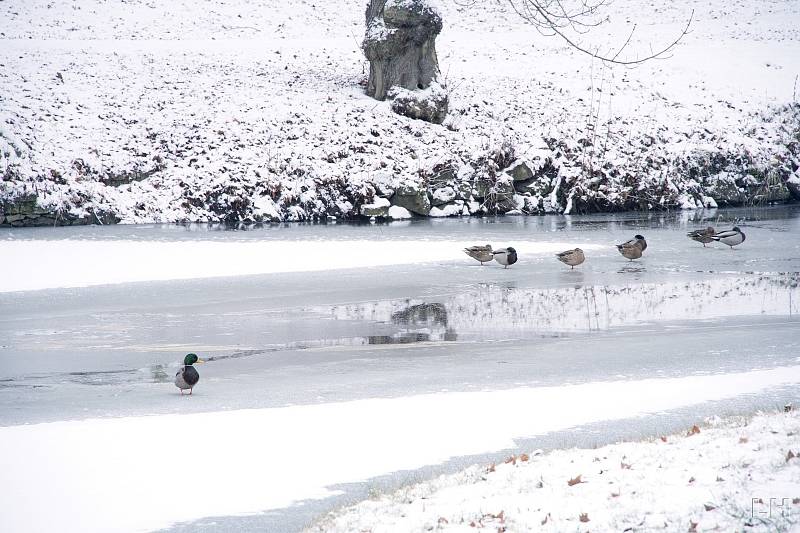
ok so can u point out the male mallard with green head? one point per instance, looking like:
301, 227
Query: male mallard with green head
187, 377
572, 258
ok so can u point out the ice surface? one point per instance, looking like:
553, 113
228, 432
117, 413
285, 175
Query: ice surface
434, 335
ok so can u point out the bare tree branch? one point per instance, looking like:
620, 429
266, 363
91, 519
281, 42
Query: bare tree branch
552, 17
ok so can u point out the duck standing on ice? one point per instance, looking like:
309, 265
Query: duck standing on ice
505, 256
633, 248
480, 253
732, 237
572, 258
187, 377
703, 236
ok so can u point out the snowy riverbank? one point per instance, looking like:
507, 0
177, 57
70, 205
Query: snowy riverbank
98, 474
195, 111
724, 475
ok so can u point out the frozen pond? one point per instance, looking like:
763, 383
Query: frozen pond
401, 326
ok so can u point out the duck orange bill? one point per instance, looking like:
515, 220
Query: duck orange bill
200, 361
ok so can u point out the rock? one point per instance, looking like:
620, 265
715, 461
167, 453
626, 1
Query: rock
10, 219
412, 198
443, 195
43, 221
500, 197
399, 213
448, 210
428, 104
384, 184
399, 43
520, 171
23, 205
378, 208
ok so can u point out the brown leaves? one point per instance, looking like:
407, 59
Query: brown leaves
513, 459
694, 431
584, 517
709, 506
790, 455
743, 440
499, 517
692, 526
624, 466
663, 438
575, 481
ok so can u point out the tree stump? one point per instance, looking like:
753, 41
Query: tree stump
400, 45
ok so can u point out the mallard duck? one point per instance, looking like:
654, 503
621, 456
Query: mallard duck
480, 253
187, 377
572, 258
633, 248
704, 236
732, 237
505, 256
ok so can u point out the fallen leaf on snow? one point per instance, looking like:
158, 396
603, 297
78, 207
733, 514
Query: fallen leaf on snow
584, 517
575, 480
694, 431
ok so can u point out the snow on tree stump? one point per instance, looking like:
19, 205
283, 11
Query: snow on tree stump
400, 45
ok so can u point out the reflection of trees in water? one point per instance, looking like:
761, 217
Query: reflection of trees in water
491, 309
421, 315
422, 322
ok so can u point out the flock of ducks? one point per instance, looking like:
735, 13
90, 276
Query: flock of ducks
632, 249
187, 377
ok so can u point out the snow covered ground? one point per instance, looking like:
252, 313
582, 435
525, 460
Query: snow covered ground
143, 473
729, 475
157, 111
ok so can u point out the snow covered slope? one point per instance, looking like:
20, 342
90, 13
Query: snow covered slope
736, 475
243, 111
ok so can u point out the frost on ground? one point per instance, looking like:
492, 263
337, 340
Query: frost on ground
248, 111
725, 476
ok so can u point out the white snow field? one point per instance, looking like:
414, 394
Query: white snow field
255, 109
740, 475
144, 473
